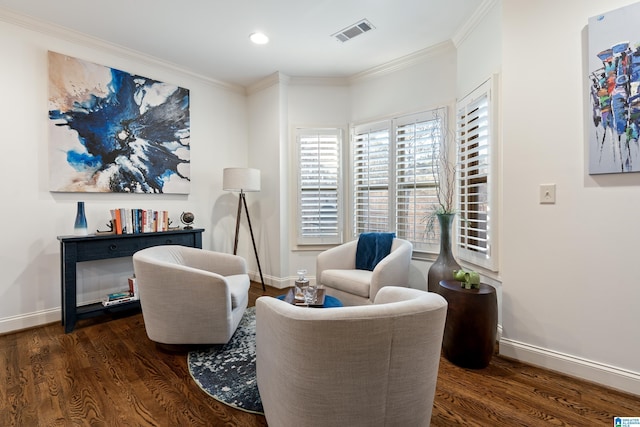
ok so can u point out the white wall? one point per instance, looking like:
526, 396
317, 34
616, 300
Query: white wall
570, 296
420, 82
479, 49
312, 103
276, 106
265, 153
33, 216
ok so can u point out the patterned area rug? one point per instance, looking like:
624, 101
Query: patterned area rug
228, 372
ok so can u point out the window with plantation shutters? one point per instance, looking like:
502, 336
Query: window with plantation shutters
319, 186
395, 175
371, 169
418, 140
475, 230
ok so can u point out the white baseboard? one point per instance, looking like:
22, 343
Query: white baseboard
30, 320
43, 317
600, 373
276, 282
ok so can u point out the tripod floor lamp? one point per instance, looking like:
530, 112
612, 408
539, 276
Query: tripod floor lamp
243, 180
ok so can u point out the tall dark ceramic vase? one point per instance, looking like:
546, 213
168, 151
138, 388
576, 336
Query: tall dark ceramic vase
442, 268
80, 226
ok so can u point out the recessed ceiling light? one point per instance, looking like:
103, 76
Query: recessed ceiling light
259, 38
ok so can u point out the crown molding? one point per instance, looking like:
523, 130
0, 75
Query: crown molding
404, 61
478, 15
53, 30
319, 81
270, 80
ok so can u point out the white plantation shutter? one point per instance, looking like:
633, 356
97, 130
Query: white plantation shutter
395, 175
475, 234
371, 171
418, 140
319, 188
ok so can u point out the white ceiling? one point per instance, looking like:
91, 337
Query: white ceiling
211, 37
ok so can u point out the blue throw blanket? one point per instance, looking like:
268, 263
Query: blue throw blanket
372, 247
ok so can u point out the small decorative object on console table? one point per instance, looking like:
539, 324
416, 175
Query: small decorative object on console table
111, 229
471, 326
187, 219
80, 226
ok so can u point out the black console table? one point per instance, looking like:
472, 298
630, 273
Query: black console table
75, 249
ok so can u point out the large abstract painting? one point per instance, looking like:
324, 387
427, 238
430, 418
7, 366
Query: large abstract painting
614, 75
112, 131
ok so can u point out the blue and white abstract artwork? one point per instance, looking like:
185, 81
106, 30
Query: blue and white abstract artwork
112, 131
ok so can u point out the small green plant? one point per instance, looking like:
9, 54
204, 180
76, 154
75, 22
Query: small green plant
467, 279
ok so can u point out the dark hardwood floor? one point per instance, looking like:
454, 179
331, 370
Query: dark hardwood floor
107, 372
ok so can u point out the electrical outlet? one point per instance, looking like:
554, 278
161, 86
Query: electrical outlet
547, 193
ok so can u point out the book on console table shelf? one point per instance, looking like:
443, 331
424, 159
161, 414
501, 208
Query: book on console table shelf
119, 295
134, 221
108, 303
127, 295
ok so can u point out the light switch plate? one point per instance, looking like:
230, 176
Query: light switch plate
547, 193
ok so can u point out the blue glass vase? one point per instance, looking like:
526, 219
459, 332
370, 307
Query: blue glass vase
80, 226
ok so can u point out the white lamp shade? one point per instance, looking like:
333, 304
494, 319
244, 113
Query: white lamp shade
241, 179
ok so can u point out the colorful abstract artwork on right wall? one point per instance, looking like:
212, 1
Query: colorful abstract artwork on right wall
614, 77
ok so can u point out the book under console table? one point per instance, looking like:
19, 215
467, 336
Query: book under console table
75, 249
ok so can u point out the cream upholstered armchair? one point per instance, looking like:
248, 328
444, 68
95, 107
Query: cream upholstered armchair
373, 365
336, 271
190, 295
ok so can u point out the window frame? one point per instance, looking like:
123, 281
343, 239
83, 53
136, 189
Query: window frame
302, 240
466, 225
429, 244
370, 128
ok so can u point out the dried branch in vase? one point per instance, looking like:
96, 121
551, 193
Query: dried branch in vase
443, 170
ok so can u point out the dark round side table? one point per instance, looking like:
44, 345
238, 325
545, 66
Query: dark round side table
472, 321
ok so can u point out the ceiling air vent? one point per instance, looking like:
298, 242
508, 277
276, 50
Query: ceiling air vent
353, 30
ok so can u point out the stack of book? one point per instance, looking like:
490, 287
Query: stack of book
133, 221
121, 297
118, 298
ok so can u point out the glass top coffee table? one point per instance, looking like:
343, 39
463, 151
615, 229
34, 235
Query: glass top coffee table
324, 301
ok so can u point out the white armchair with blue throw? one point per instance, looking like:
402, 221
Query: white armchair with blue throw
355, 271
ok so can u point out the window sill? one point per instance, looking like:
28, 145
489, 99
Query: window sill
314, 248
424, 256
431, 257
